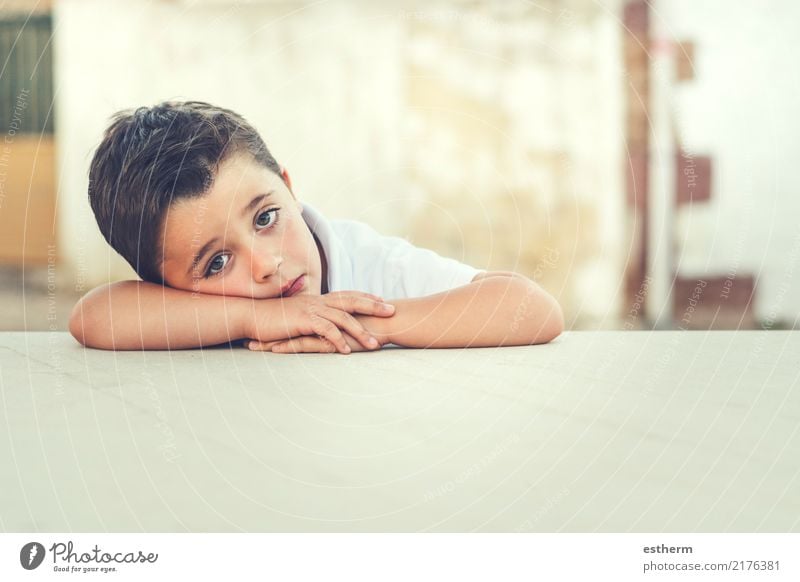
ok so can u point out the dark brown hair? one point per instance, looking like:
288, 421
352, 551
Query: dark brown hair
153, 156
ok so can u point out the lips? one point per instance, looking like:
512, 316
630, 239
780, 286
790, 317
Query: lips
293, 287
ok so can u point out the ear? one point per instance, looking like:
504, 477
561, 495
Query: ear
286, 179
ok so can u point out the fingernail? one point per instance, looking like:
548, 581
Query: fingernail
373, 342
346, 349
388, 307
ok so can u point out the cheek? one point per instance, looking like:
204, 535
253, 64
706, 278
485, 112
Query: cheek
232, 283
297, 241
238, 282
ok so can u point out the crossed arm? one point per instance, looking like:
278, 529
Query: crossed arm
498, 308
495, 309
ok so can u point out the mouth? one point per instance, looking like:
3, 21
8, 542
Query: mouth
293, 287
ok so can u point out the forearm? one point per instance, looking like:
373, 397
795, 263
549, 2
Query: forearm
135, 315
497, 311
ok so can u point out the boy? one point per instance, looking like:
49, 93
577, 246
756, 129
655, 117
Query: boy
190, 196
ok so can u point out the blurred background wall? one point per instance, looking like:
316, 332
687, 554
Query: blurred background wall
737, 110
622, 153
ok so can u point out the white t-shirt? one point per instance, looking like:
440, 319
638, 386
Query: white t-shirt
361, 259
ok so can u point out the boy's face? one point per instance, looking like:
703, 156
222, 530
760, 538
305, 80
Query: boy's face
245, 238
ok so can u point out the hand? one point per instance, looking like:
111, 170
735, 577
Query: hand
321, 316
305, 345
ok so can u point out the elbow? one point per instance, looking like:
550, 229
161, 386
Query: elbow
553, 325
80, 325
548, 322
76, 323
85, 328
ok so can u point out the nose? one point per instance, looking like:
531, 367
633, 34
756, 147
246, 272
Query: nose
263, 263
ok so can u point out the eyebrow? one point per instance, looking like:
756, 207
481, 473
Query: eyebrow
207, 247
255, 202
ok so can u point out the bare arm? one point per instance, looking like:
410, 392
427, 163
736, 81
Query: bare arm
135, 315
496, 309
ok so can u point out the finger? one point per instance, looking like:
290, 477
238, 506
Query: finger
355, 294
347, 323
361, 305
304, 344
323, 327
259, 346
348, 297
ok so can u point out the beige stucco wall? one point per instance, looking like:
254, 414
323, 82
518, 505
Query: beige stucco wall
490, 132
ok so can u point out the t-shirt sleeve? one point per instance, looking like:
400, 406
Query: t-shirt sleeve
398, 268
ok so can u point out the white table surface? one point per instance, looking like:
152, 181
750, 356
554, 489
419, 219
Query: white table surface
614, 431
